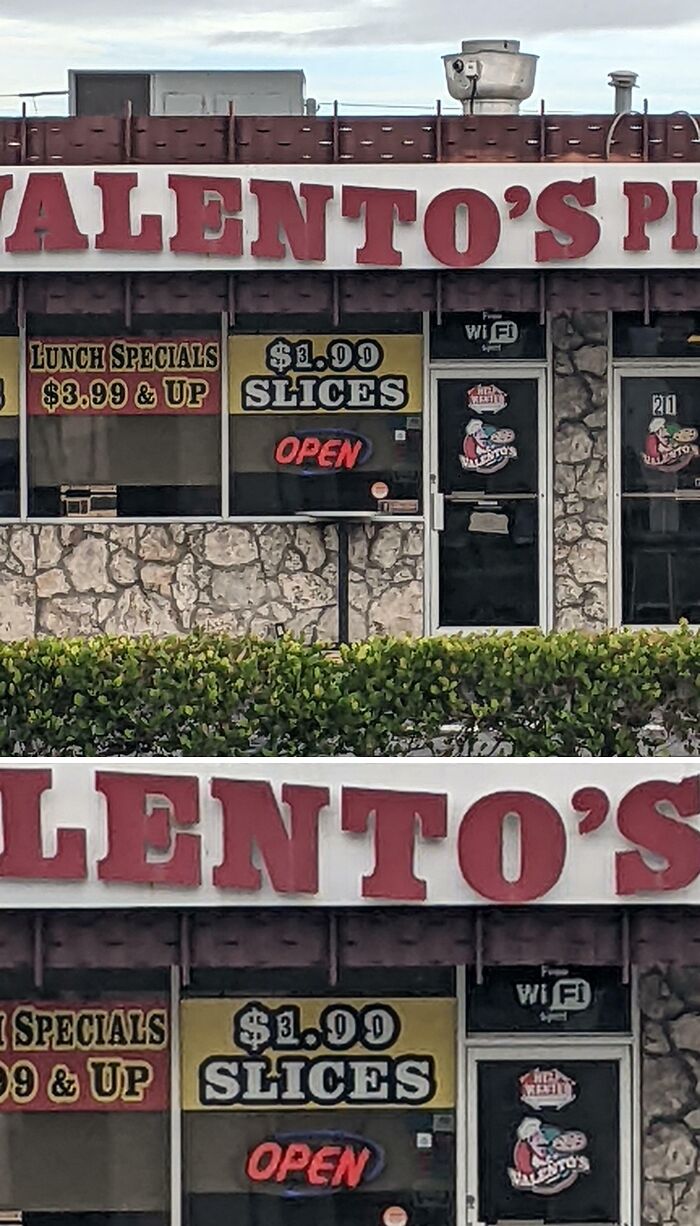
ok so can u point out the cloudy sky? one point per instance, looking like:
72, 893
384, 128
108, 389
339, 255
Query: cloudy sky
382, 52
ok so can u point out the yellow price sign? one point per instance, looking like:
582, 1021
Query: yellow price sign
318, 1053
9, 376
325, 374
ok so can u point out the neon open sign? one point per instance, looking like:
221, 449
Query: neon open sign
314, 1163
322, 451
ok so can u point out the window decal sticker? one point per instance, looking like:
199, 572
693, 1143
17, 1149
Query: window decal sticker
546, 1088
487, 448
547, 1160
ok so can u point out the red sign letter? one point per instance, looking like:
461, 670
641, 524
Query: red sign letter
685, 238
252, 819
555, 210
138, 821
647, 202
542, 846
396, 815
263, 1161
117, 234
382, 207
206, 224
641, 821
483, 228
279, 210
46, 219
6, 185
23, 856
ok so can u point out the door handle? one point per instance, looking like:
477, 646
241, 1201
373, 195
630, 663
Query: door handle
438, 512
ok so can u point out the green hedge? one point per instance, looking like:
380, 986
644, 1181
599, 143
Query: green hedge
619, 693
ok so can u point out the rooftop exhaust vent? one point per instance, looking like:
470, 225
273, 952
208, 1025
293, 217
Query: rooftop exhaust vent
623, 82
490, 76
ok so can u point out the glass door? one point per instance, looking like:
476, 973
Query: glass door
488, 486
549, 1135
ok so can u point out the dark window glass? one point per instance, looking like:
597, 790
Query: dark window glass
325, 422
412, 1168
487, 450
103, 1164
548, 1137
660, 500
548, 999
296, 462
102, 1157
125, 426
9, 426
488, 466
660, 435
9, 466
487, 334
148, 466
660, 561
665, 336
489, 565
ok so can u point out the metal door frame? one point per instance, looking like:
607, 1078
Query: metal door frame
434, 510
538, 1048
636, 368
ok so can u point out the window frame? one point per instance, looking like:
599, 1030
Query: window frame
636, 368
225, 332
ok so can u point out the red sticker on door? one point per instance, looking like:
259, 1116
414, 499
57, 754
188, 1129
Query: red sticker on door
546, 1088
486, 398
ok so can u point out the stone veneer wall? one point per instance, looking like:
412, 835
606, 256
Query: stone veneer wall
670, 1006
581, 528
133, 579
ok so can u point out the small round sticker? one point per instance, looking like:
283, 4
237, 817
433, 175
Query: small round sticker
379, 490
394, 1216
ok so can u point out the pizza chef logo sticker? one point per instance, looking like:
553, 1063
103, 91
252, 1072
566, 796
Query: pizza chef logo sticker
669, 446
486, 398
546, 1088
487, 448
546, 1159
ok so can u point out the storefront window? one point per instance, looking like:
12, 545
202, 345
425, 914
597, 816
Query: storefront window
319, 1112
662, 336
124, 426
84, 1102
660, 495
9, 426
324, 423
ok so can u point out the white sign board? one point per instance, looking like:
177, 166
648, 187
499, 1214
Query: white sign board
347, 832
505, 216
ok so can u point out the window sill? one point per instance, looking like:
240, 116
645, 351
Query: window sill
300, 517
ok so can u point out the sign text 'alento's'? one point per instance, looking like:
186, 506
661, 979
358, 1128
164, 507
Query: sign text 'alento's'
125, 836
437, 216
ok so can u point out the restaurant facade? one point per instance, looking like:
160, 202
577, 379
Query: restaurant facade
315, 374
290, 992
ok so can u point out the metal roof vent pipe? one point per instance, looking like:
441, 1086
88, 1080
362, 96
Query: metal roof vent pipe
490, 76
623, 82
